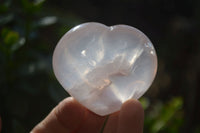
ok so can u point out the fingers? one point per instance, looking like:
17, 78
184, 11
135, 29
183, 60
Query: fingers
131, 117
70, 117
128, 120
112, 123
65, 118
92, 124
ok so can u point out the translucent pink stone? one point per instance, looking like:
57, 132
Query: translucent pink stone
102, 67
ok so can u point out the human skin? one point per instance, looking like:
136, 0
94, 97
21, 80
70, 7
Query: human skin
71, 117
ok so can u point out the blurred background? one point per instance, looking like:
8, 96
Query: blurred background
30, 30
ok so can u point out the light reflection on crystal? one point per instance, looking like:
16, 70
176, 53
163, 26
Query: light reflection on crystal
102, 67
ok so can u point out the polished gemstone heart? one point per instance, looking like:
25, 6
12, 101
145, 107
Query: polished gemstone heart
102, 67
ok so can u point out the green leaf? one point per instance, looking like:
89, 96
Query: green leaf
167, 114
4, 32
145, 102
11, 38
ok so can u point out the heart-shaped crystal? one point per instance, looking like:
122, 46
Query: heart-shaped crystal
102, 67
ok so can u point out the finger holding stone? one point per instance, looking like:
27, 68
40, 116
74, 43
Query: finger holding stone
66, 117
131, 117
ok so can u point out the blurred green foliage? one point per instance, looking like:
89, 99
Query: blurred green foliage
29, 31
162, 117
28, 87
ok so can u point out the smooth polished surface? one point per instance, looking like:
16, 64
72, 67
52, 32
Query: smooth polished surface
102, 67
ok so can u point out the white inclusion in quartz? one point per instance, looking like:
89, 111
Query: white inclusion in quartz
102, 67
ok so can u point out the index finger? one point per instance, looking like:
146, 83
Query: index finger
70, 117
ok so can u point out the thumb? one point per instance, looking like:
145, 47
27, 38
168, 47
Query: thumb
64, 118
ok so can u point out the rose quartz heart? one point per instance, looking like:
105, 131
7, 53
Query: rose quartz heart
102, 67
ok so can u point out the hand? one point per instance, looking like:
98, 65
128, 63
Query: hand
71, 117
